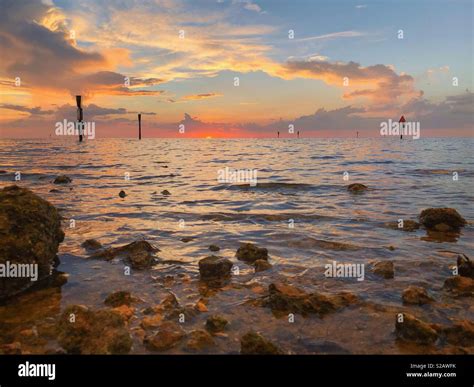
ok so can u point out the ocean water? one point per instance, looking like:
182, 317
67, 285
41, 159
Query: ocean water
299, 210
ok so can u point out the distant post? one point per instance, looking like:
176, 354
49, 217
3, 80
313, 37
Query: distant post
139, 126
401, 126
79, 116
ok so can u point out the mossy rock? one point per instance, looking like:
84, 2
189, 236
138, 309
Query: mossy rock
30, 233
254, 344
248, 252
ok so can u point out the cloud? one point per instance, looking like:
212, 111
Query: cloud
380, 84
42, 53
195, 97
24, 109
333, 35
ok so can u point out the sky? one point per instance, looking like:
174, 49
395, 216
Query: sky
236, 68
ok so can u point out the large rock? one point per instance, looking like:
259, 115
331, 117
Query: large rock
254, 344
442, 219
30, 233
287, 298
85, 331
412, 329
213, 267
216, 323
248, 252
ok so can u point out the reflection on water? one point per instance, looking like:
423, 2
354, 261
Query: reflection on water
299, 210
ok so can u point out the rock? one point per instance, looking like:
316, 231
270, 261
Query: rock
138, 254
214, 267
214, 248
460, 286
91, 244
11, 348
461, 333
168, 335
198, 340
465, 266
170, 302
442, 219
356, 188
248, 252
3, 171
122, 194
165, 192
84, 331
54, 190
262, 265
383, 269
62, 179
186, 239
412, 329
416, 295
201, 306
151, 322
141, 260
118, 298
408, 225
254, 344
286, 298
30, 233
124, 311
216, 323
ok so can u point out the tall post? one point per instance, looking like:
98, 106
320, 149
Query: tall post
79, 116
139, 126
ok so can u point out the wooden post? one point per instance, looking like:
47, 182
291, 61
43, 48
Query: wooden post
139, 126
79, 116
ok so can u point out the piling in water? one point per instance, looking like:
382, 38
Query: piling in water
79, 116
139, 126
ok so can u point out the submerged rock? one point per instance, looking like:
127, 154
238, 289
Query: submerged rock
216, 323
62, 179
214, 248
460, 286
122, 194
465, 266
412, 329
84, 331
91, 244
199, 340
416, 295
262, 265
118, 298
30, 233
356, 187
214, 267
168, 335
461, 333
165, 192
287, 298
442, 219
248, 252
254, 344
384, 269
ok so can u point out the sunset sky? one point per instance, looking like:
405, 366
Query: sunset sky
182, 57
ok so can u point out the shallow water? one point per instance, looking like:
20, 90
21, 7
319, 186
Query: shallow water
300, 183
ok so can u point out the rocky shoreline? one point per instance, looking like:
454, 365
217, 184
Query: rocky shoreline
30, 233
